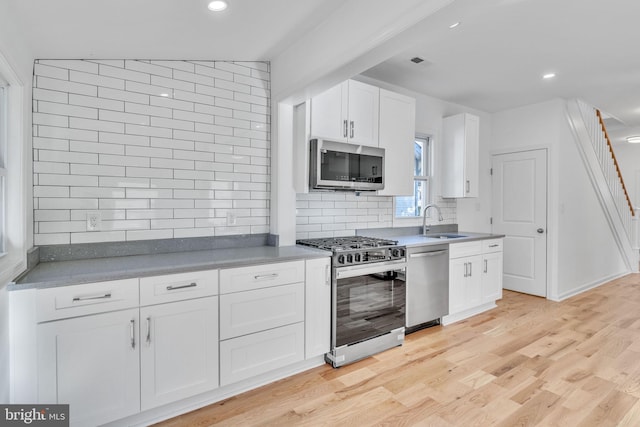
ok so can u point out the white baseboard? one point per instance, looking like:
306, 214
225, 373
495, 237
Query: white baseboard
452, 318
586, 287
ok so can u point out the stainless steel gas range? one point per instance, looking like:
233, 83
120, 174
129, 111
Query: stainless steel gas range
367, 296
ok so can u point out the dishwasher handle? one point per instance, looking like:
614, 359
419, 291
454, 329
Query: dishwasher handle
427, 254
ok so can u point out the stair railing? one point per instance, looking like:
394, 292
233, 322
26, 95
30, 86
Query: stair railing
609, 164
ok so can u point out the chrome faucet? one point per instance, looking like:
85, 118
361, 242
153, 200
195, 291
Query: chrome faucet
424, 216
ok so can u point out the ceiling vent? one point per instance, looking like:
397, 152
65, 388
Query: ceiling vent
417, 60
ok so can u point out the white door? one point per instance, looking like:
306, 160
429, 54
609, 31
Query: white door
178, 350
520, 213
92, 363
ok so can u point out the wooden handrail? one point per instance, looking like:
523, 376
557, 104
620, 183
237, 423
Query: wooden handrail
615, 161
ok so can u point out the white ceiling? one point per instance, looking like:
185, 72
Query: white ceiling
254, 30
493, 61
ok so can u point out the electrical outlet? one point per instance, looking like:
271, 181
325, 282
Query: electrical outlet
94, 221
231, 218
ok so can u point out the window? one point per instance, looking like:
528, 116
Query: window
411, 206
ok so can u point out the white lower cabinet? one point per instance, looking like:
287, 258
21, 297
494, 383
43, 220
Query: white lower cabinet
178, 350
261, 319
255, 354
317, 307
91, 363
475, 278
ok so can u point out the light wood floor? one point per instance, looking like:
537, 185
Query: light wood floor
528, 362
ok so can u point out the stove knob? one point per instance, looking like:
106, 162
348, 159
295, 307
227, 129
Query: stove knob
395, 253
350, 258
357, 257
340, 259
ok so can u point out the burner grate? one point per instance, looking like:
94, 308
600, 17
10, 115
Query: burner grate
347, 243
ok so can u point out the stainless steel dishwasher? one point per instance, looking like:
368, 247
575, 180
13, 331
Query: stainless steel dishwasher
427, 283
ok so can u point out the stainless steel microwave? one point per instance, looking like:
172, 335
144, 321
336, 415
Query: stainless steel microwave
339, 166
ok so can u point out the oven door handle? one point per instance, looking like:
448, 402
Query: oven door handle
363, 270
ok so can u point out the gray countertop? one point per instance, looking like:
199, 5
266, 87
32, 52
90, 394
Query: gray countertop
62, 273
418, 240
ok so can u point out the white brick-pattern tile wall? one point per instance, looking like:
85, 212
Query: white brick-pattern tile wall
161, 149
327, 214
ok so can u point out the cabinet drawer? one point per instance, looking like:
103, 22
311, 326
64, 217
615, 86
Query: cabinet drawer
261, 276
458, 250
255, 354
90, 298
243, 313
492, 245
178, 287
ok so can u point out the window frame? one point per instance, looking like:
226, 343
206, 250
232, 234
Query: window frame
16, 171
428, 166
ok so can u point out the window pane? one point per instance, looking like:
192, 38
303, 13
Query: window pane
411, 206
418, 153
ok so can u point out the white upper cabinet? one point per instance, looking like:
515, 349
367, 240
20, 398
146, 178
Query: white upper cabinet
347, 112
397, 135
461, 138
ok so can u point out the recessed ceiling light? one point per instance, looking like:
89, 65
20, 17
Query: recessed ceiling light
455, 24
549, 76
217, 6
633, 139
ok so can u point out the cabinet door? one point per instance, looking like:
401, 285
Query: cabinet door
492, 277
471, 155
363, 107
93, 364
178, 350
458, 269
460, 149
318, 307
329, 114
397, 135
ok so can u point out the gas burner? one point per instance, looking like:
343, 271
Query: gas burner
347, 243
354, 250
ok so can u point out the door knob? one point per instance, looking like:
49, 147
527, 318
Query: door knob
540, 230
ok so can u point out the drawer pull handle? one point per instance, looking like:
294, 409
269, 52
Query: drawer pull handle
149, 330
105, 296
266, 276
494, 246
132, 327
190, 285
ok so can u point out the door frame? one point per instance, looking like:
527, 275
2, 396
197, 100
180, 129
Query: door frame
551, 207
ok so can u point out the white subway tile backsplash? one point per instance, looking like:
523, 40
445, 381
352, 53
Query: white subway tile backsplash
123, 74
93, 79
91, 101
50, 95
66, 86
160, 148
147, 68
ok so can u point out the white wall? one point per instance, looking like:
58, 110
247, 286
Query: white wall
581, 249
18, 58
628, 156
160, 149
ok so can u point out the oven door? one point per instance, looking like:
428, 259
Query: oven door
368, 301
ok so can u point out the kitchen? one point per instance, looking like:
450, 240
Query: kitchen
282, 218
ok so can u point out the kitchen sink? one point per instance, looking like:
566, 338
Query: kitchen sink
446, 236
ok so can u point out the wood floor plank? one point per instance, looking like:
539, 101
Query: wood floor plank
528, 362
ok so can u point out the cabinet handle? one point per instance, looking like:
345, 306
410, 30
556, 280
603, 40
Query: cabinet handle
105, 296
266, 276
351, 135
190, 285
470, 269
485, 266
465, 269
468, 186
148, 330
345, 128
132, 327
494, 246
327, 276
